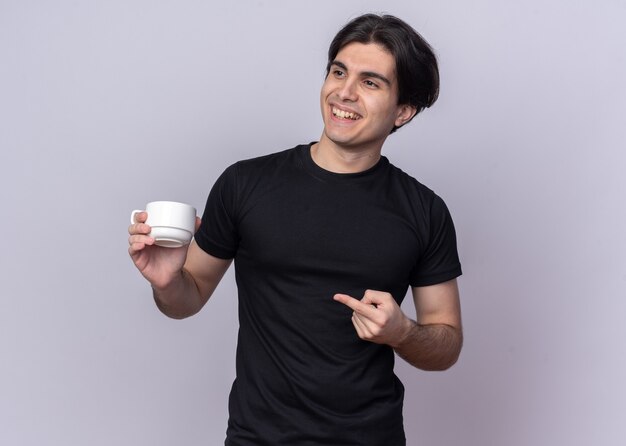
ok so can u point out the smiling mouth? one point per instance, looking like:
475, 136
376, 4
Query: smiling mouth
345, 115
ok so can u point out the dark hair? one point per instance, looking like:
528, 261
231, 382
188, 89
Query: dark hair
416, 63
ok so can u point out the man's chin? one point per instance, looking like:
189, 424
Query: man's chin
341, 138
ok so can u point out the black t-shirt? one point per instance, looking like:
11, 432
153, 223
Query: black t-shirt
299, 234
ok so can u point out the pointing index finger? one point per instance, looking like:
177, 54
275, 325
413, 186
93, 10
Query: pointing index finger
362, 308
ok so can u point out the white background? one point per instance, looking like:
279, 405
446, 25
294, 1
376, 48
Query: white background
107, 105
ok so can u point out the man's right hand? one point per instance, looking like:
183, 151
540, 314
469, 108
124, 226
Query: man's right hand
159, 265
183, 279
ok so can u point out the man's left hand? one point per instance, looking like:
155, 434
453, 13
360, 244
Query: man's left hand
377, 317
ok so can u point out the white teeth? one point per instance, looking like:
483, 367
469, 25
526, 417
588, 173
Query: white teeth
345, 114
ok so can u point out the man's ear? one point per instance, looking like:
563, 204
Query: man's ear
406, 112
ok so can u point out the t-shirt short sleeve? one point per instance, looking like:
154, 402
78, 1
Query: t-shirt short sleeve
439, 261
218, 234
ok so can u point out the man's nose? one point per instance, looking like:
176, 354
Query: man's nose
348, 90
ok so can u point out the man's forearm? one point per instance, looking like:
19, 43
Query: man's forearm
180, 299
431, 347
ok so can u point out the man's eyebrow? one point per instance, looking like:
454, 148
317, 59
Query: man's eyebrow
364, 73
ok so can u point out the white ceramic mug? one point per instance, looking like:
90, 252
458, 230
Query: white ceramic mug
173, 224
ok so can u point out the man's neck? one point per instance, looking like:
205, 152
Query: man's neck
337, 159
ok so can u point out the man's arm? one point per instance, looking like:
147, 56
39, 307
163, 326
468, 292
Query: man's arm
192, 288
432, 342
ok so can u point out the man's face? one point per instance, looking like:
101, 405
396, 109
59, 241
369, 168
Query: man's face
359, 98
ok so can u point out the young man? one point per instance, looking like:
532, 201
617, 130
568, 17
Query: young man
327, 238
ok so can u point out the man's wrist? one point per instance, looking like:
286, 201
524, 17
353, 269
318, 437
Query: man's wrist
406, 334
165, 288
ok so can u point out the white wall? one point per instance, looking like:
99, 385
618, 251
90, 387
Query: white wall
105, 106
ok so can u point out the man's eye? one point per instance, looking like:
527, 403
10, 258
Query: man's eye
371, 84
338, 73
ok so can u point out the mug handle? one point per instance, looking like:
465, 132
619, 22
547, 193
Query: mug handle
132, 215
